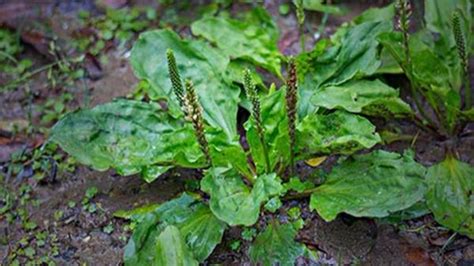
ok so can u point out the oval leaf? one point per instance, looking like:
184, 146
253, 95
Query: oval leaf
253, 38
450, 196
197, 61
276, 246
200, 229
232, 201
129, 136
373, 185
172, 250
373, 98
335, 133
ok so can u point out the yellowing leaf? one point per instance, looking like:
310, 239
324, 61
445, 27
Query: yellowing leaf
314, 162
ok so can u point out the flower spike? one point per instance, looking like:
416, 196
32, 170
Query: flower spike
403, 8
251, 91
175, 78
291, 106
460, 39
194, 115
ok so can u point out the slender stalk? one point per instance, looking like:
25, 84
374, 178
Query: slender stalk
175, 78
460, 38
301, 18
429, 127
404, 12
291, 104
302, 38
251, 91
322, 25
194, 115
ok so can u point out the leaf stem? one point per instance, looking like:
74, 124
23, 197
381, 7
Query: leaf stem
302, 38
265, 152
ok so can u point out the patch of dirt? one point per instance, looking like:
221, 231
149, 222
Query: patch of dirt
81, 235
118, 80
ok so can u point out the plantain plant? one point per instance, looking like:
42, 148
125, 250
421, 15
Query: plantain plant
347, 73
194, 126
437, 68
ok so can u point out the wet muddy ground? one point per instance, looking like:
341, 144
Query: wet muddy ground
70, 225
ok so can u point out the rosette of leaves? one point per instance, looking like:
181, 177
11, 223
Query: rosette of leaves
435, 59
437, 67
195, 126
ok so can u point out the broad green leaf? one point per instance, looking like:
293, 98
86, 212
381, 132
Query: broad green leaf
136, 137
129, 136
450, 195
275, 123
234, 202
417, 210
273, 204
276, 246
356, 56
435, 74
389, 64
141, 247
171, 249
152, 172
429, 69
253, 38
305, 65
225, 152
236, 68
197, 61
200, 229
386, 13
297, 185
373, 98
317, 5
372, 185
335, 133
136, 214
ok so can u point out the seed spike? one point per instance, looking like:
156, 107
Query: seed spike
175, 78
460, 39
291, 105
251, 91
403, 8
194, 115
